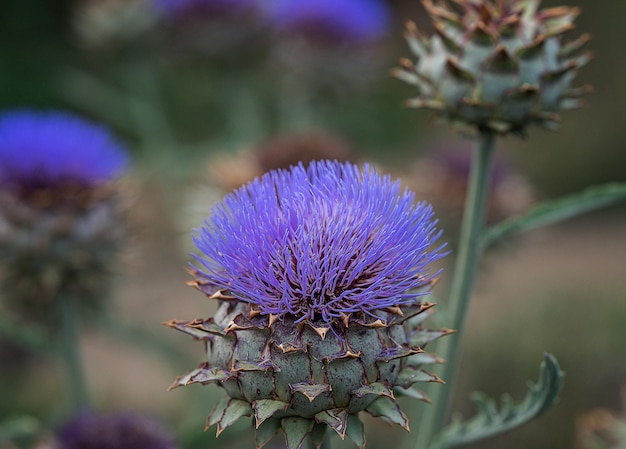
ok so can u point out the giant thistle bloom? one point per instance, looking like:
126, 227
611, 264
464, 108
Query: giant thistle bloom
497, 66
350, 21
113, 431
320, 273
59, 214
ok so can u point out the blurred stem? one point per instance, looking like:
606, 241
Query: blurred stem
69, 349
467, 259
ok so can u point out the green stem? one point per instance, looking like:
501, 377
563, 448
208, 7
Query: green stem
467, 259
69, 349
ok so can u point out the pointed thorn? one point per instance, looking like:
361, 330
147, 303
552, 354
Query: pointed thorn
220, 294
254, 312
321, 331
395, 310
171, 323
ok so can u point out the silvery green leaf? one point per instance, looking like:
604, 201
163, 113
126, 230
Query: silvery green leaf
490, 421
550, 212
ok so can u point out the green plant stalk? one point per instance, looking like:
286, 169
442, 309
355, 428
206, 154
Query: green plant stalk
69, 350
467, 259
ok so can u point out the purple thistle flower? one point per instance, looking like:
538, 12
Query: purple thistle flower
113, 431
319, 243
44, 149
354, 21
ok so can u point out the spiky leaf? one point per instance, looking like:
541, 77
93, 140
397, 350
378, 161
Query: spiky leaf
490, 421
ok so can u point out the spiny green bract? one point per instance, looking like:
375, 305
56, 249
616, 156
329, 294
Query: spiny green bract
303, 376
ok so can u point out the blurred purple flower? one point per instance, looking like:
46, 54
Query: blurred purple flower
113, 431
42, 149
210, 7
350, 21
320, 242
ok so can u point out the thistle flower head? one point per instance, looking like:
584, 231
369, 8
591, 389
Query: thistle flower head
496, 66
41, 150
319, 243
319, 273
113, 431
350, 21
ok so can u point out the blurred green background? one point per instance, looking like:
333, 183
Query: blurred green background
559, 290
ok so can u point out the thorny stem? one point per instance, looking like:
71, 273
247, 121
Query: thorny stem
465, 269
69, 349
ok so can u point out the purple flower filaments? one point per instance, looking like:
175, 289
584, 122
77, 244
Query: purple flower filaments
350, 21
43, 149
320, 243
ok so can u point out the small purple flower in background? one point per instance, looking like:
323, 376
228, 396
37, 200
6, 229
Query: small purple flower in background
348, 21
44, 149
62, 216
320, 242
113, 431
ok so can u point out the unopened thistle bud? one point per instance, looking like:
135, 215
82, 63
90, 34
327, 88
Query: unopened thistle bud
320, 273
60, 214
496, 66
